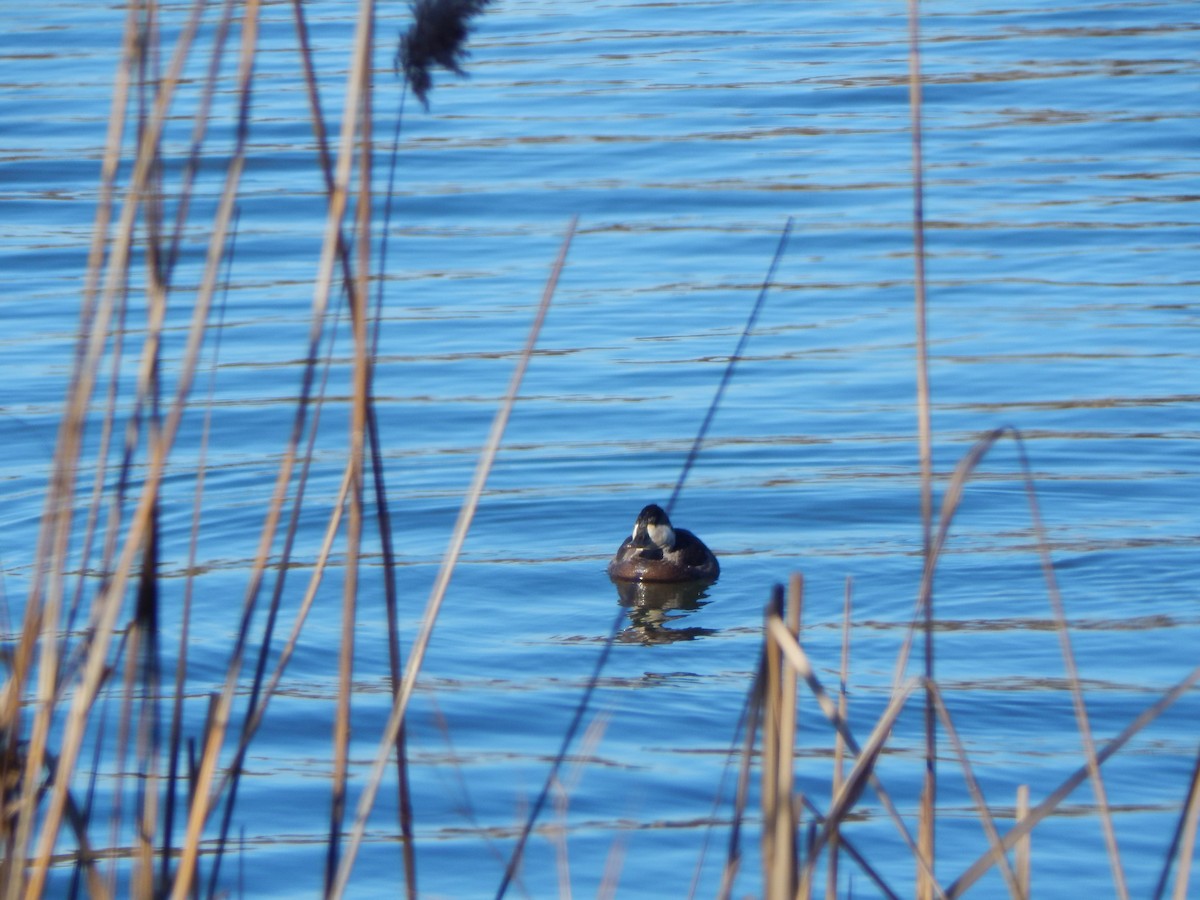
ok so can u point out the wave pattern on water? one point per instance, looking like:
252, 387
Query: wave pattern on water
1061, 197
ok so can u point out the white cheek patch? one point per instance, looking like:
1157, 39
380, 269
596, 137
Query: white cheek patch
663, 535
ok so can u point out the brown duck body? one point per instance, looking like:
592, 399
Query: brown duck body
657, 552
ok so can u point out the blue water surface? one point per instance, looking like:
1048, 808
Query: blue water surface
1060, 179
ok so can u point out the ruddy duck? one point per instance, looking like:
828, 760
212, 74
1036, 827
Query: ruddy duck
657, 552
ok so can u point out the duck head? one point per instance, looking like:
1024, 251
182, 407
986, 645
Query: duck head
652, 527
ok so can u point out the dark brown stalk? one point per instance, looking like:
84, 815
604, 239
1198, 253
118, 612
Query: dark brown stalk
1184, 837
726, 375
391, 601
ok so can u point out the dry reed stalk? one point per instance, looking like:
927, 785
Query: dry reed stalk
1026, 823
950, 504
863, 771
445, 572
769, 763
928, 808
985, 814
176, 727
357, 124
100, 228
257, 712
1082, 721
612, 868
563, 789
839, 743
358, 287
228, 787
226, 205
56, 522
848, 847
1183, 875
1024, 859
557, 836
353, 290
784, 878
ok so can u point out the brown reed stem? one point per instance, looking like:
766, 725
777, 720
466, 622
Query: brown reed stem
839, 743
1082, 720
56, 522
926, 828
1024, 858
985, 814
769, 764
784, 877
863, 771
358, 94
1026, 824
851, 851
446, 571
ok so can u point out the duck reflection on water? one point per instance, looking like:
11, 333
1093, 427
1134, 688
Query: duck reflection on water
654, 607
659, 570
